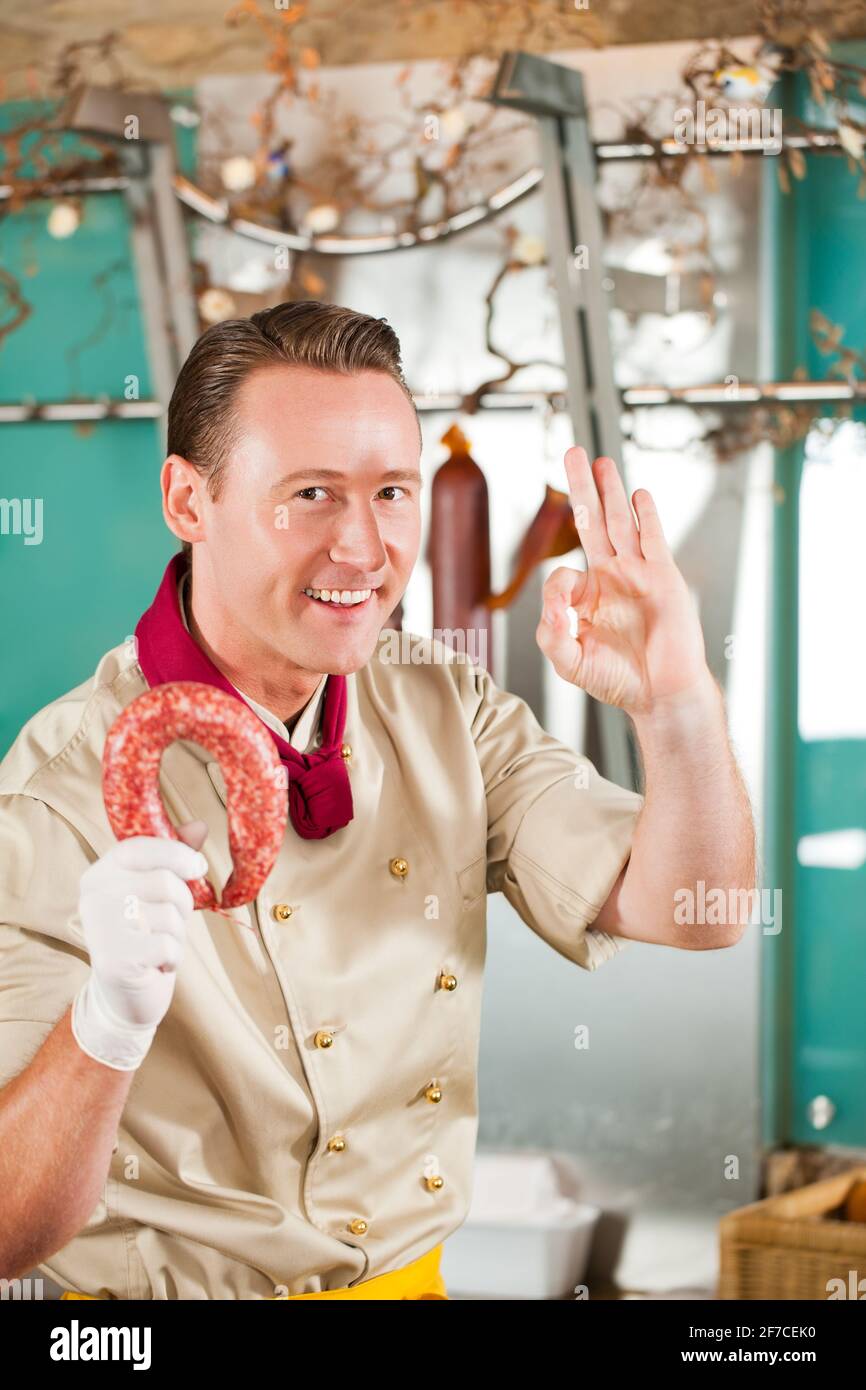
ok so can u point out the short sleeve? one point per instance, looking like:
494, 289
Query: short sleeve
559, 834
42, 963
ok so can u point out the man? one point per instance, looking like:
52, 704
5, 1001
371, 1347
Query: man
285, 1105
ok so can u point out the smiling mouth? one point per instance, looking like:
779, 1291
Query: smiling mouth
343, 600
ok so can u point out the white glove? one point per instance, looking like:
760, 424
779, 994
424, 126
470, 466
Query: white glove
134, 906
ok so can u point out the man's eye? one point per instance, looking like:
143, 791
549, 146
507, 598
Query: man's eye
391, 487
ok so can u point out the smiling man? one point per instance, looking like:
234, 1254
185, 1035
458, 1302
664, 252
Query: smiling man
303, 1116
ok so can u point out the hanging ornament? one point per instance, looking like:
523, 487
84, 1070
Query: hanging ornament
453, 125
322, 218
184, 115
238, 173
255, 275
750, 84
529, 250
215, 305
277, 167
64, 219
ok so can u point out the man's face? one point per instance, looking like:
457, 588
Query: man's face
322, 491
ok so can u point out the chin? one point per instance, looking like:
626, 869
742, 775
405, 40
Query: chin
339, 656
347, 663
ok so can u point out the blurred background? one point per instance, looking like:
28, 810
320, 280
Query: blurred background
636, 228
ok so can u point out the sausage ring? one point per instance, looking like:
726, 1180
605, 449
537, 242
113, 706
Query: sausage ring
256, 790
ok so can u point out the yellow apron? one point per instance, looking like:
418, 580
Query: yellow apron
420, 1279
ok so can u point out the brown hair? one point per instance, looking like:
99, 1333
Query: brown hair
202, 414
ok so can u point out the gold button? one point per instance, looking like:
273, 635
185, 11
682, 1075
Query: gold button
435, 1182
282, 912
434, 1092
447, 981
358, 1226
337, 1144
324, 1038
346, 751
399, 867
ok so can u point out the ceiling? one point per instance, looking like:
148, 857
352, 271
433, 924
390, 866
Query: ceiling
175, 42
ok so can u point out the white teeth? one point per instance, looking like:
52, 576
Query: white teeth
346, 596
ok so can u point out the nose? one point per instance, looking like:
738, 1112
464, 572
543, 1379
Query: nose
356, 542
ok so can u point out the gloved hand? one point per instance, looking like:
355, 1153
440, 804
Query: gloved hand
134, 906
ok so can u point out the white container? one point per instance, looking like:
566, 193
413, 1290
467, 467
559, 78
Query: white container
526, 1235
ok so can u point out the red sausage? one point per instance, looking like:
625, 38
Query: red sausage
459, 545
256, 789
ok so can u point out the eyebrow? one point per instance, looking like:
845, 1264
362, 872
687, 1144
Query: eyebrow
391, 475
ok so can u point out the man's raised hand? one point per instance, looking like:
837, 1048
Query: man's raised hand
639, 641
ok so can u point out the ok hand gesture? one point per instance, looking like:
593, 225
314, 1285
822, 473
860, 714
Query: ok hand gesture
639, 643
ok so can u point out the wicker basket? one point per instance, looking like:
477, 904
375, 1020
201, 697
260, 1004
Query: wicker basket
790, 1246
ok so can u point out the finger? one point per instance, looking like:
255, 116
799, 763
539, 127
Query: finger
193, 832
652, 537
159, 918
586, 506
153, 852
618, 515
163, 951
162, 886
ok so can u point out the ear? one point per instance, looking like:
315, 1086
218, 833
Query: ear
182, 488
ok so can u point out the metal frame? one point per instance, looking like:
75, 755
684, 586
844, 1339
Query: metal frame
554, 95
158, 233
776, 965
710, 396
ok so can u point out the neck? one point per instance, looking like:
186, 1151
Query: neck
268, 678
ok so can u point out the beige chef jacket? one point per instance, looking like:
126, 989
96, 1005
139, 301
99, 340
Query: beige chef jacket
249, 1155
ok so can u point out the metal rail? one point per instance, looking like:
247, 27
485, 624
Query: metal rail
218, 210
711, 396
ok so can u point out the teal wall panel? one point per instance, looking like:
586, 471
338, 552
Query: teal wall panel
104, 547
814, 1034
104, 544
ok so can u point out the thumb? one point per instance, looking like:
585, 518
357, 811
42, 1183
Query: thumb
193, 833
